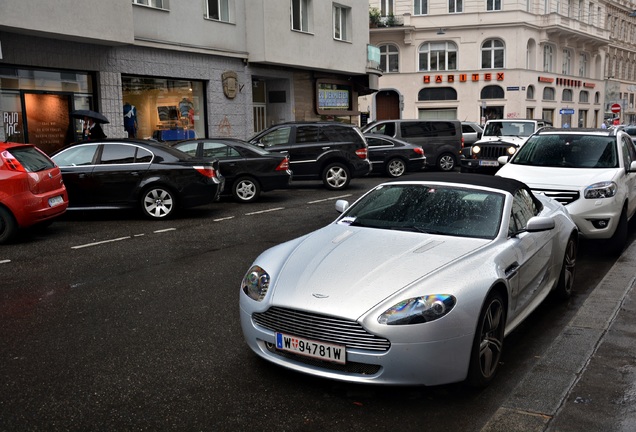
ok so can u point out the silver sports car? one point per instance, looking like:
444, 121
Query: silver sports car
417, 282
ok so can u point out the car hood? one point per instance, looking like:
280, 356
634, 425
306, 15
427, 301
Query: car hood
551, 178
345, 271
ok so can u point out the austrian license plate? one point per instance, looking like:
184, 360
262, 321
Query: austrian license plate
56, 200
311, 348
490, 163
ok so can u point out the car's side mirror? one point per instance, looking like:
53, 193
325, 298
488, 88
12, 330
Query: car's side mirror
502, 160
540, 223
632, 167
342, 205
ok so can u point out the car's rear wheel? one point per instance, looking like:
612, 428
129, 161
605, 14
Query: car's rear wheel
158, 202
8, 226
488, 342
446, 162
246, 189
395, 167
336, 176
566, 278
616, 244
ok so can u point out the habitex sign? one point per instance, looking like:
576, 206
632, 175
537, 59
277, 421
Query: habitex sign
475, 77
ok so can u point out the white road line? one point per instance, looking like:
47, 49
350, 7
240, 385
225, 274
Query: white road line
222, 219
99, 243
265, 211
164, 230
4, 261
329, 199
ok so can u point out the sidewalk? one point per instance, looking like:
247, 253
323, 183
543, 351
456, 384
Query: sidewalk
586, 381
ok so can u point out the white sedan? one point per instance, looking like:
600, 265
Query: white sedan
417, 282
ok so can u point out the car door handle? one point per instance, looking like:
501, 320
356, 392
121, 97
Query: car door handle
512, 270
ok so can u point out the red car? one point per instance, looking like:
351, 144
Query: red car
31, 189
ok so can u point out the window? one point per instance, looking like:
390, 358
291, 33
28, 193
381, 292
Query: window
420, 7
455, 6
583, 65
159, 4
548, 93
523, 208
386, 7
548, 58
219, 10
492, 54
584, 96
493, 5
389, 58
219, 150
118, 154
340, 22
530, 92
300, 15
492, 92
278, 136
567, 95
437, 94
567, 62
438, 56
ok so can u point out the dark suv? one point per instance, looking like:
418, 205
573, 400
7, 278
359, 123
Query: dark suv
332, 152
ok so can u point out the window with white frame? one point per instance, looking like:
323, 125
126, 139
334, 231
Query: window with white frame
386, 7
455, 6
159, 4
548, 58
567, 62
438, 56
219, 10
341, 16
300, 15
583, 64
420, 7
389, 58
492, 54
493, 5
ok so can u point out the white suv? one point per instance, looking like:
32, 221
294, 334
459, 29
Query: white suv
591, 171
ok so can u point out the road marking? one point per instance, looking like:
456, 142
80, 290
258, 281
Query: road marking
222, 219
328, 199
164, 230
265, 211
99, 243
5, 261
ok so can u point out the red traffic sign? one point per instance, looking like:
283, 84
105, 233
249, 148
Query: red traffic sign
616, 108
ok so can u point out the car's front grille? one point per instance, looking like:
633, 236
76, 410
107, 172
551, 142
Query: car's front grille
565, 197
320, 328
492, 152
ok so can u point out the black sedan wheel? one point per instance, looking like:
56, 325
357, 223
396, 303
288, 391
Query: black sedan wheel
446, 162
395, 167
8, 225
488, 343
246, 189
336, 176
158, 202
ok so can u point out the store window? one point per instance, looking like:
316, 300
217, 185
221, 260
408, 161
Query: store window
163, 109
492, 92
437, 94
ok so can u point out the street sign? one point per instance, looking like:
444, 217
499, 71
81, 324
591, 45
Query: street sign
615, 108
566, 111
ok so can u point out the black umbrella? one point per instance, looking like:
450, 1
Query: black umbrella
97, 117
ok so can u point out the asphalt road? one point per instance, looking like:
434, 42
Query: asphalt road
109, 321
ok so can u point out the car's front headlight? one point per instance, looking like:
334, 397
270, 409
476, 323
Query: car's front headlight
601, 190
418, 310
256, 283
512, 150
475, 149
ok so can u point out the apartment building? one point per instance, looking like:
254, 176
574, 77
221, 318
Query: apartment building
566, 61
172, 69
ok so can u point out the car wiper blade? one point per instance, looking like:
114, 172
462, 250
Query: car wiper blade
415, 228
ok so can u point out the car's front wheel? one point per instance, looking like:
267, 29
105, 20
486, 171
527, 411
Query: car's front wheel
246, 189
8, 225
488, 342
396, 167
158, 202
446, 162
336, 176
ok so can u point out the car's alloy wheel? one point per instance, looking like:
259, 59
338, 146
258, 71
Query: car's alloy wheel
446, 162
395, 167
336, 176
8, 225
488, 343
158, 203
566, 278
246, 189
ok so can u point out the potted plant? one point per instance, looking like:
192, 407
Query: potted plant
374, 17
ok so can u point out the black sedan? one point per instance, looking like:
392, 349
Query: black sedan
394, 157
116, 174
248, 170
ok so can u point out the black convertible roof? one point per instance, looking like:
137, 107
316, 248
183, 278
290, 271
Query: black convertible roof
502, 183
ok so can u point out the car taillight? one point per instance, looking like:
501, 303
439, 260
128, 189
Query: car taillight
284, 165
362, 153
419, 150
206, 171
11, 162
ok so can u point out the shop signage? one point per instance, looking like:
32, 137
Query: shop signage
589, 85
546, 79
11, 122
512, 88
439, 79
333, 97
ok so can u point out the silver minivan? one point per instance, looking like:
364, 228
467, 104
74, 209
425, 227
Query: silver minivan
441, 140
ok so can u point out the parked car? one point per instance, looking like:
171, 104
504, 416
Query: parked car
332, 152
156, 178
500, 138
32, 189
471, 132
316, 305
248, 169
591, 171
394, 157
442, 140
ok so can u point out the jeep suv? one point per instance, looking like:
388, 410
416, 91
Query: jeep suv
332, 152
500, 138
591, 171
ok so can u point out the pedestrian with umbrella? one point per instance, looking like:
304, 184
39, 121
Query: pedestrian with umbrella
92, 120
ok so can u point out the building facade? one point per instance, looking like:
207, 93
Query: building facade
556, 60
168, 69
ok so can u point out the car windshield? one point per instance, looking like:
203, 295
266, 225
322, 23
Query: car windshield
501, 128
569, 151
424, 208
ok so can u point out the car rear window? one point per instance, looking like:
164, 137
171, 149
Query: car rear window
32, 159
342, 134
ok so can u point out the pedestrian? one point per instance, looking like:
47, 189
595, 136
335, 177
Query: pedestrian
603, 125
92, 130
